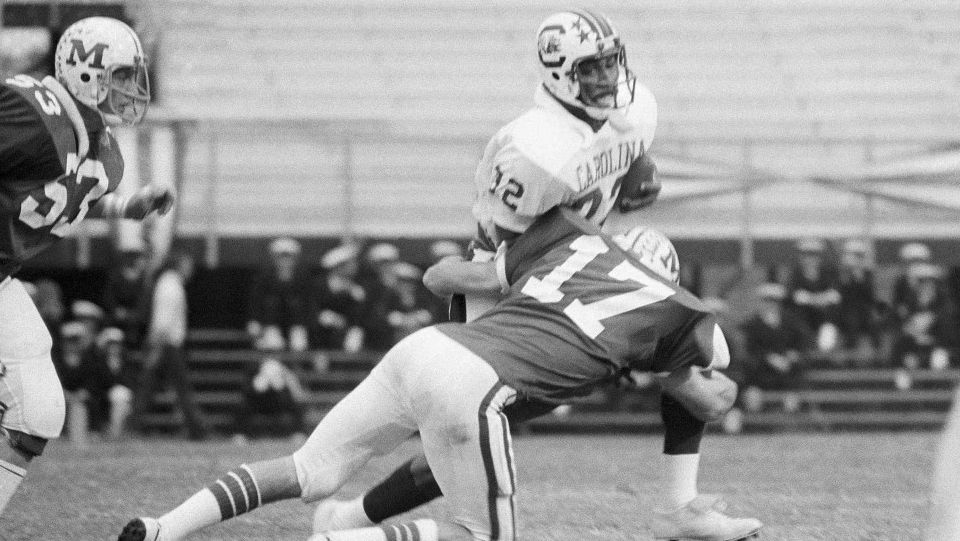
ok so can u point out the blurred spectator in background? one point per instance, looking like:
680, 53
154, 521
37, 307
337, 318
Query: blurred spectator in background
408, 302
927, 336
97, 381
441, 249
279, 300
48, 296
165, 341
859, 312
378, 280
338, 302
112, 392
274, 401
125, 295
915, 258
75, 366
774, 341
813, 292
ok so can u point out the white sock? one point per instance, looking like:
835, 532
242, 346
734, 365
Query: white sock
680, 483
10, 478
199, 511
423, 529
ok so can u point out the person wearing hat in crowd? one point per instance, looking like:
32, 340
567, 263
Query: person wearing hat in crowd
408, 305
112, 393
166, 353
859, 310
125, 295
379, 281
338, 301
914, 260
813, 292
74, 365
279, 304
274, 400
774, 340
928, 330
442, 249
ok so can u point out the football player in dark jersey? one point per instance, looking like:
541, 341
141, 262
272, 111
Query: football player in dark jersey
58, 164
579, 310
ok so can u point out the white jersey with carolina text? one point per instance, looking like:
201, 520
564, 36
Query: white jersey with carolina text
547, 157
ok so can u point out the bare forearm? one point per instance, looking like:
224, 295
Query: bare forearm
452, 276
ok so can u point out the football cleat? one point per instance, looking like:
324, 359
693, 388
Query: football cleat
703, 519
141, 529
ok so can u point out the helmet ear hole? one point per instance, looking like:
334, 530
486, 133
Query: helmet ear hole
556, 76
85, 77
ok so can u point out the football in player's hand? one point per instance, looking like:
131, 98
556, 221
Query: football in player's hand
640, 186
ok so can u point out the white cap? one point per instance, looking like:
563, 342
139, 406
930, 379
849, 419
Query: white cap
407, 271
383, 251
86, 309
339, 255
915, 251
284, 245
811, 245
444, 248
855, 246
771, 291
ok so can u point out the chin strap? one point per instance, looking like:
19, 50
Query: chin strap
79, 126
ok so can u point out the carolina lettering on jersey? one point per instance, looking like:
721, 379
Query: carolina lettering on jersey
547, 158
581, 311
45, 187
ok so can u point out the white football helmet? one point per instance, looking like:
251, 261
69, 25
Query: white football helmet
653, 249
101, 62
565, 41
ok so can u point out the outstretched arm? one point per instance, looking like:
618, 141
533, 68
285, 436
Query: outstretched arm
150, 198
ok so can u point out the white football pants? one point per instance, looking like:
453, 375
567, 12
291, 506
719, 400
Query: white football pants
431, 384
29, 387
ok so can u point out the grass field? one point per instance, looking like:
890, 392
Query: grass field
836, 486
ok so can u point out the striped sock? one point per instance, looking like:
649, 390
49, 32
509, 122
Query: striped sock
235, 493
418, 530
11, 476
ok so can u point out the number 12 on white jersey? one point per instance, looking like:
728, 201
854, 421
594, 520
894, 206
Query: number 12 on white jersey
589, 317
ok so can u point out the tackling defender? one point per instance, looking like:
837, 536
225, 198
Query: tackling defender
575, 298
58, 164
584, 145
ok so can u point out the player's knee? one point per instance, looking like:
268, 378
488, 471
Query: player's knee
317, 480
708, 395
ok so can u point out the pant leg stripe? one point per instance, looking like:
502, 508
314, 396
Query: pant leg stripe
250, 482
508, 454
489, 467
223, 500
405, 533
238, 491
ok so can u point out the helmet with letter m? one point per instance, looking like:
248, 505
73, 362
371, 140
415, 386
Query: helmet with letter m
101, 63
583, 62
653, 249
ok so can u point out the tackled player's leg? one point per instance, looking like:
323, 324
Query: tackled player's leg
31, 399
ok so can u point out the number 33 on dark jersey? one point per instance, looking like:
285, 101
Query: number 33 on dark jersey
580, 312
45, 187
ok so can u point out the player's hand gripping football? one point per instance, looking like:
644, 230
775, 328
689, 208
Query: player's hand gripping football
150, 198
640, 186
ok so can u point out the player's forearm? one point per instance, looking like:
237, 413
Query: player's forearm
112, 206
470, 277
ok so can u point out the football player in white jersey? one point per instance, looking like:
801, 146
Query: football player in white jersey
583, 145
